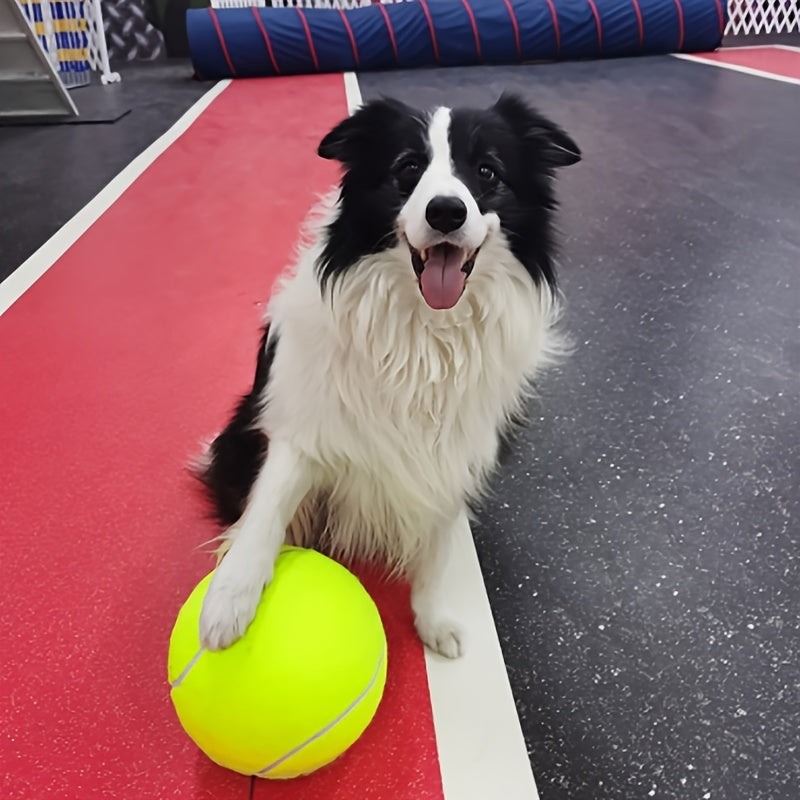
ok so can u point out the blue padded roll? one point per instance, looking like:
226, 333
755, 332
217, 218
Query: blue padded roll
254, 42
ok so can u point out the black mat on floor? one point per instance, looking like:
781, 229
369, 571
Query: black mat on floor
96, 103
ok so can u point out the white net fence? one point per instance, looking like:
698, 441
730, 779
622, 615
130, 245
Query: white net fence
763, 16
98, 51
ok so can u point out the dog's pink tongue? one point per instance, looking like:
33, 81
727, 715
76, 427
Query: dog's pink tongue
442, 281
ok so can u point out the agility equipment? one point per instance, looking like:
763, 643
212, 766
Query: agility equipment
266, 41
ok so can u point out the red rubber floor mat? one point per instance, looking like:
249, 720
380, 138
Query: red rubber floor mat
782, 62
126, 353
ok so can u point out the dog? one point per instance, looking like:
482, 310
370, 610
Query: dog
396, 356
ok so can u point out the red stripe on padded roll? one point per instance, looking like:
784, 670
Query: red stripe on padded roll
308, 38
638, 11
221, 38
680, 24
350, 34
474, 29
390, 29
555, 27
267, 42
515, 26
721, 17
599, 27
427, 11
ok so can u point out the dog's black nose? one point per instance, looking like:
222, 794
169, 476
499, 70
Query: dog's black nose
446, 214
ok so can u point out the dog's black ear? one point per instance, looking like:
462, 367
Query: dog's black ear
368, 126
556, 147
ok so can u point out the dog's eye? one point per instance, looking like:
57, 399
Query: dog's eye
407, 173
487, 174
409, 169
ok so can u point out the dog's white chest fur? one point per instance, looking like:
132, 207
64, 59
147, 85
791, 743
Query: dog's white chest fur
399, 406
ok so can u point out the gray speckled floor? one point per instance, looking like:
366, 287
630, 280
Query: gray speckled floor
641, 552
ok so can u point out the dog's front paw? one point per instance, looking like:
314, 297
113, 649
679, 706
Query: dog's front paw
231, 602
443, 636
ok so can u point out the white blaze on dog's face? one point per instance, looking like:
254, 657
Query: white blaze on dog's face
442, 223
442, 185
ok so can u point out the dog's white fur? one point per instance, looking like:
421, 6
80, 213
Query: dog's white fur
385, 414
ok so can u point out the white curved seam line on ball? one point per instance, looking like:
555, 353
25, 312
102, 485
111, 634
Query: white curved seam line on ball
331, 724
187, 669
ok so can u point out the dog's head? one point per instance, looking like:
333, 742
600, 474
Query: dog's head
441, 184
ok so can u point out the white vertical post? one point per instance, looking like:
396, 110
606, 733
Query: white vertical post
97, 41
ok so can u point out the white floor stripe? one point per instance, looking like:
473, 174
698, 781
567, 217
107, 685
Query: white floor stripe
13, 287
352, 91
482, 753
736, 68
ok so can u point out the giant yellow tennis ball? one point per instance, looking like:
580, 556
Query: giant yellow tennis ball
299, 687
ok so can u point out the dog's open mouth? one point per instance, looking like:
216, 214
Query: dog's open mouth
442, 270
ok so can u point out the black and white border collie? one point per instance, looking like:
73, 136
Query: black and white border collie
397, 352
